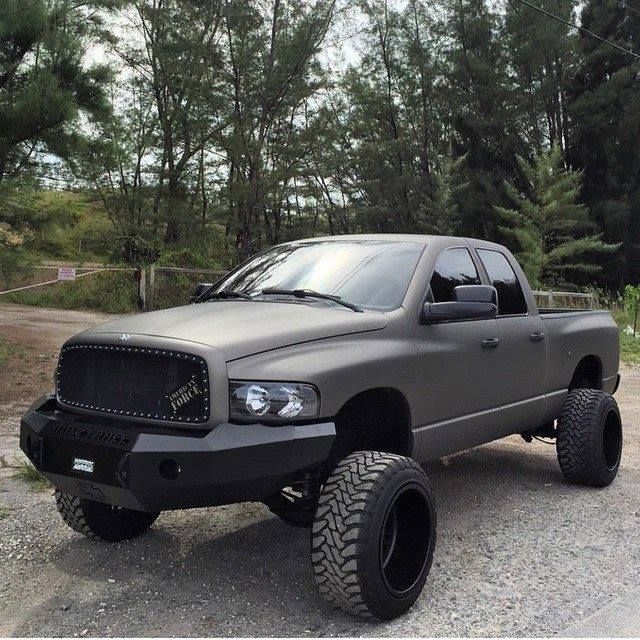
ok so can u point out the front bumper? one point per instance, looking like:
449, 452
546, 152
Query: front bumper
134, 466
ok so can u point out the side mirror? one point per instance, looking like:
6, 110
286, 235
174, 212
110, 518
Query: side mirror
476, 293
472, 302
199, 289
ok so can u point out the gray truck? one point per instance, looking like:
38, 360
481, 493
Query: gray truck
316, 378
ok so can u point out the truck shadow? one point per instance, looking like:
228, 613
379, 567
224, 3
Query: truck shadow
209, 571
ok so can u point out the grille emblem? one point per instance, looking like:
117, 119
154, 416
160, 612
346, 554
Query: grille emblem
184, 394
126, 336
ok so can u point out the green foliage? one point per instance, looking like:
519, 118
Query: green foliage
544, 56
45, 82
109, 292
232, 125
550, 231
603, 98
38, 224
483, 115
629, 348
26, 472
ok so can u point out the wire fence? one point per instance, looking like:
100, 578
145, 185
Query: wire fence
111, 289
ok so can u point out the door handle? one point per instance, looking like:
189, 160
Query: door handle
490, 343
537, 336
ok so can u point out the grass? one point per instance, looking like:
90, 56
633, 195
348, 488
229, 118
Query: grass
26, 472
109, 292
629, 346
7, 350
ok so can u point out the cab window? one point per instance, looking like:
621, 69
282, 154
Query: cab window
511, 299
453, 267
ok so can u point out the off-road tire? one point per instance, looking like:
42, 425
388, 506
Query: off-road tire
589, 438
97, 520
366, 494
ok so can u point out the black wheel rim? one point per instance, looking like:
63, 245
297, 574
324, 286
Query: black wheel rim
612, 440
389, 537
405, 539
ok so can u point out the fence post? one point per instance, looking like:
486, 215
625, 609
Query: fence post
151, 294
550, 299
142, 290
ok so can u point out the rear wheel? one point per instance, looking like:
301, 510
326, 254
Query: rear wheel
104, 521
374, 535
589, 438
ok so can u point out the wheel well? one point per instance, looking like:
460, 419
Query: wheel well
587, 374
375, 420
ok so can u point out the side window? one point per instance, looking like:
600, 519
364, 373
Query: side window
453, 267
510, 297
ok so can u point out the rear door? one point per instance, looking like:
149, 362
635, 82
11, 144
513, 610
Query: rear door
522, 352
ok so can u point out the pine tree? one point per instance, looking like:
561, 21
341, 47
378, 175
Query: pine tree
549, 230
46, 83
604, 98
481, 99
440, 213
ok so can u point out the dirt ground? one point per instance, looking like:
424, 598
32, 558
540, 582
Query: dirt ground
520, 552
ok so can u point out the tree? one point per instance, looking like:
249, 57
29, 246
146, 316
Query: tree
543, 54
549, 230
389, 144
270, 76
118, 166
482, 112
440, 213
47, 84
604, 94
173, 50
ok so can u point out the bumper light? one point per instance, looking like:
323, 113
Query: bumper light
272, 401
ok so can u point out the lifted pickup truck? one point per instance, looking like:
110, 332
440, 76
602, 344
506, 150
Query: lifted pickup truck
315, 378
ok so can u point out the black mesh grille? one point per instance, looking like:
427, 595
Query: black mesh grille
134, 381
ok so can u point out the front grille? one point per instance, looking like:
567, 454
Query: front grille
156, 384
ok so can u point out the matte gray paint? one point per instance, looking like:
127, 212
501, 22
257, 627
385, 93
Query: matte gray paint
459, 394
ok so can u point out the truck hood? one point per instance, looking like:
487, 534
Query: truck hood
239, 328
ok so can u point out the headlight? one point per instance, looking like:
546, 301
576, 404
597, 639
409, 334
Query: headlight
272, 401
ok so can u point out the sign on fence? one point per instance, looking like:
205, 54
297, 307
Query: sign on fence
66, 273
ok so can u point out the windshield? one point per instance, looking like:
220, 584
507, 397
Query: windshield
368, 273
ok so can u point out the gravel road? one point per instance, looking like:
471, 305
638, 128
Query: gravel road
520, 552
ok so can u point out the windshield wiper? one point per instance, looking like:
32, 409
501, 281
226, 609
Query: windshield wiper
225, 294
308, 293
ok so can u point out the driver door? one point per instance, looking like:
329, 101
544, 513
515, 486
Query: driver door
457, 368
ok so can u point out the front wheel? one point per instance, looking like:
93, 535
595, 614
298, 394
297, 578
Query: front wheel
103, 521
374, 535
589, 438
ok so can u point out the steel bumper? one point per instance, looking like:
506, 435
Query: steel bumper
134, 466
